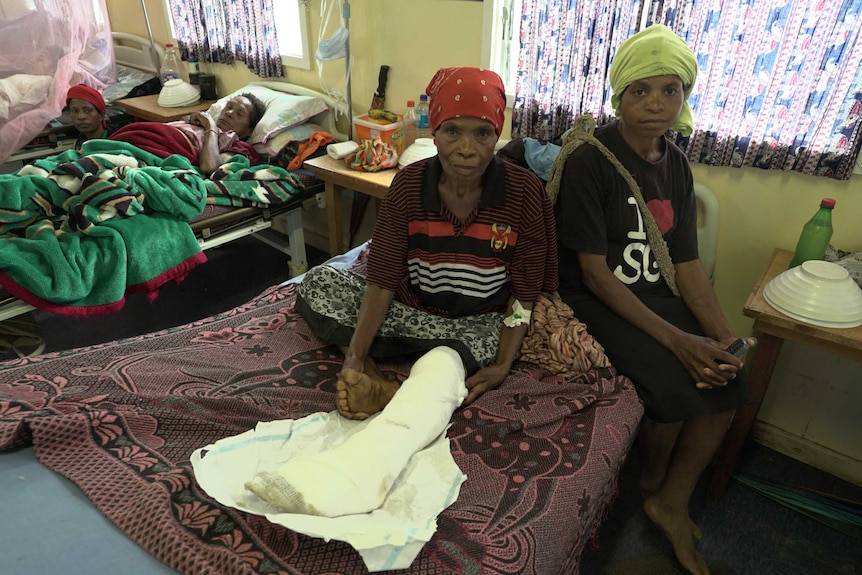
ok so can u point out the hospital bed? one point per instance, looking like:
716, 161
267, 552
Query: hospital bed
95, 447
219, 224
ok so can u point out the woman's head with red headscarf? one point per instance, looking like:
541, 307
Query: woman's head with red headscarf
466, 114
466, 92
87, 109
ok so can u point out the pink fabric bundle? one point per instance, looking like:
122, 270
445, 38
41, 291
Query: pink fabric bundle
559, 342
56, 46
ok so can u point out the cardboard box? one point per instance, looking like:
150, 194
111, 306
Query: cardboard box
366, 129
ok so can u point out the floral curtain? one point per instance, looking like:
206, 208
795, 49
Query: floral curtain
779, 86
226, 30
566, 48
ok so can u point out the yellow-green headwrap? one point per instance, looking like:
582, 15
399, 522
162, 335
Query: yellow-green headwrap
656, 51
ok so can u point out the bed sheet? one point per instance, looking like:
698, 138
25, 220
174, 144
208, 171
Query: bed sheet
541, 454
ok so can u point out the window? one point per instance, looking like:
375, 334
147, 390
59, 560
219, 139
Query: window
292, 29
500, 40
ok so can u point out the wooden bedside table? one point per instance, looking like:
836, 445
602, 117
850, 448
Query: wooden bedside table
337, 177
772, 328
147, 108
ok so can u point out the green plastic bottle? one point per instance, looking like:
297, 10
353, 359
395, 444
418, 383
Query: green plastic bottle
815, 235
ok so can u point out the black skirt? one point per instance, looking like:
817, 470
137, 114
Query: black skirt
662, 381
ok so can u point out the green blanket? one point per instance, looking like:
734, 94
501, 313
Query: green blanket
79, 231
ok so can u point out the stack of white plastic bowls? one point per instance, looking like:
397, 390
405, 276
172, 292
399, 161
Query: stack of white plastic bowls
178, 93
419, 150
817, 292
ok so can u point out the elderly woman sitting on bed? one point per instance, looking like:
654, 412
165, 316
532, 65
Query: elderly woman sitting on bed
463, 245
206, 142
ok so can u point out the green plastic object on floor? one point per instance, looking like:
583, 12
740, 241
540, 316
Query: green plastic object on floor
841, 514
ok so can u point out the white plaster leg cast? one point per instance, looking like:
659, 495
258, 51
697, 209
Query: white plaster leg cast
356, 476
388, 458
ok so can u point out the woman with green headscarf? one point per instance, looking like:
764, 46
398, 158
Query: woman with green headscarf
629, 268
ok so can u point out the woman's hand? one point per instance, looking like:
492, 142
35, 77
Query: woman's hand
727, 361
203, 120
707, 360
485, 379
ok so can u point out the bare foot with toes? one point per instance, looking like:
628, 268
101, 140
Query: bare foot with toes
646, 493
359, 396
682, 533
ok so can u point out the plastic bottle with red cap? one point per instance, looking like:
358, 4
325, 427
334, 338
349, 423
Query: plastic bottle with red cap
815, 235
170, 68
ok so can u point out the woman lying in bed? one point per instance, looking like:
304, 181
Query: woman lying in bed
207, 143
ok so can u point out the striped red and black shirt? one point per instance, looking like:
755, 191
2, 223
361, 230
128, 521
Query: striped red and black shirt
421, 252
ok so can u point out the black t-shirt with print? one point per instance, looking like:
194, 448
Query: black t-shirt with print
597, 213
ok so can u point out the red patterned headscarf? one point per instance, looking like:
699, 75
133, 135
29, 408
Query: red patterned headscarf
466, 92
88, 94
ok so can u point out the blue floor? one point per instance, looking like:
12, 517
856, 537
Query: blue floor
47, 541
747, 532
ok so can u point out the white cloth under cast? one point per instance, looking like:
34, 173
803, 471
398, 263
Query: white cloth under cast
391, 536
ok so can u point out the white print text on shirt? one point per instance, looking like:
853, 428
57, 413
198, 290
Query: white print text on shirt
637, 254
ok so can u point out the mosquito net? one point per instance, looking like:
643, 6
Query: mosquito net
46, 46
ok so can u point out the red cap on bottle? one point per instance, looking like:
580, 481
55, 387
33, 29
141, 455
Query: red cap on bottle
827, 203
410, 103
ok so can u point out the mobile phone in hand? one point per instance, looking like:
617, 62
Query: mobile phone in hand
739, 348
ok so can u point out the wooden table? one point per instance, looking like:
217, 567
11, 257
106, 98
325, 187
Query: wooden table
772, 328
147, 108
337, 177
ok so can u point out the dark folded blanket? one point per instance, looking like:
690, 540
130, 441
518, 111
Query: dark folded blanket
158, 139
165, 139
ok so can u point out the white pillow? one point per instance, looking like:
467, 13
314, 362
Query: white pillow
283, 111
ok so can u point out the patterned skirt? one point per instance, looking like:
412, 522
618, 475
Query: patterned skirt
329, 298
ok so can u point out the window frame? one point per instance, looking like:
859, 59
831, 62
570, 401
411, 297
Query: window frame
302, 61
494, 19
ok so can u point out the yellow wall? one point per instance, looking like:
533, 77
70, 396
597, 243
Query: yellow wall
413, 37
760, 209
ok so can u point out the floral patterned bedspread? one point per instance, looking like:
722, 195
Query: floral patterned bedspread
542, 454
